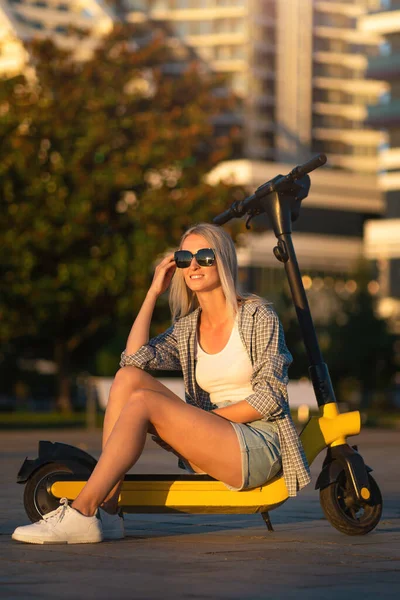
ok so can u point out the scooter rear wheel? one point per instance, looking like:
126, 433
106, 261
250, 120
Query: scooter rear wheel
37, 500
348, 515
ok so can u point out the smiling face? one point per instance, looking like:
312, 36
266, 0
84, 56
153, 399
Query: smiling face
197, 278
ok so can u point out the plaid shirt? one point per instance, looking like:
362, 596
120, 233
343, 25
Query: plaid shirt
262, 336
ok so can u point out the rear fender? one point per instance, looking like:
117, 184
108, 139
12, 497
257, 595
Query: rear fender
79, 461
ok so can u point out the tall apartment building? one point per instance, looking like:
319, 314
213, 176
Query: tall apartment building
341, 91
24, 19
298, 66
382, 237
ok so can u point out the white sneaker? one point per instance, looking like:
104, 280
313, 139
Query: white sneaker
112, 525
64, 525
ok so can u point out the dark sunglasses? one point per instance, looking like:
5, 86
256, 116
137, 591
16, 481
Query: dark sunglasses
205, 257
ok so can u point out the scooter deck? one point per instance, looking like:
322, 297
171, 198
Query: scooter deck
202, 493
180, 493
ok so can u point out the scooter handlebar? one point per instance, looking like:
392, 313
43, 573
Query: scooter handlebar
307, 167
238, 209
224, 217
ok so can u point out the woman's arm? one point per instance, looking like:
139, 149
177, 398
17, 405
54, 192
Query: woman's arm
240, 412
139, 334
160, 352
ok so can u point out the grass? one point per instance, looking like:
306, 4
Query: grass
56, 420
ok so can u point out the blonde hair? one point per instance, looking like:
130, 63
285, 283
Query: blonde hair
182, 300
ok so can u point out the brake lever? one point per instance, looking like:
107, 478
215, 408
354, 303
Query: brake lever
253, 213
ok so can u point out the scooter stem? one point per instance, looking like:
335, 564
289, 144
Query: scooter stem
279, 209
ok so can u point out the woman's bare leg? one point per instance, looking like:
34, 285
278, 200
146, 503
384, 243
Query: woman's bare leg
126, 381
203, 438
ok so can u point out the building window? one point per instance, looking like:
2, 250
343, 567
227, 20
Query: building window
61, 29
195, 28
182, 29
36, 24
238, 52
365, 151
228, 25
135, 5
205, 27
334, 96
20, 17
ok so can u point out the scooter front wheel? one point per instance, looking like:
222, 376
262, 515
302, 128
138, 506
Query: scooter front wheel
345, 513
37, 500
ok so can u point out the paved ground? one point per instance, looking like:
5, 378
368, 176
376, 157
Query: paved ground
210, 556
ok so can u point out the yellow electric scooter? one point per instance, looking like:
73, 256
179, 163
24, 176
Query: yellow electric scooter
350, 497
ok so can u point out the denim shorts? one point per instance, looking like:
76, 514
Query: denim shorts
260, 453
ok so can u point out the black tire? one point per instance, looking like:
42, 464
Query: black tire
349, 516
37, 500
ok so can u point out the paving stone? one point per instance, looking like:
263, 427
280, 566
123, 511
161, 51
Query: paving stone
198, 557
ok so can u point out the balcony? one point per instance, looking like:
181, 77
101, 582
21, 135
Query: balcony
353, 112
215, 39
349, 60
314, 252
390, 159
381, 239
382, 23
198, 14
228, 65
351, 137
349, 10
390, 182
357, 164
351, 36
356, 87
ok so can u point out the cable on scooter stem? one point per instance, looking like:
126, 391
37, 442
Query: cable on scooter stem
241, 207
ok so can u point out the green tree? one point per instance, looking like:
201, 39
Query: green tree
102, 167
361, 345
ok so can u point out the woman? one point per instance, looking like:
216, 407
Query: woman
235, 424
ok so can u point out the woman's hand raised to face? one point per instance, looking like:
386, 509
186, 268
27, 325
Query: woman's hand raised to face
163, 275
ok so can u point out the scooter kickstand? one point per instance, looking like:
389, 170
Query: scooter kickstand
267, 520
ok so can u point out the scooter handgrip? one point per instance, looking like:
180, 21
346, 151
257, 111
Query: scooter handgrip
224, 217
309, 166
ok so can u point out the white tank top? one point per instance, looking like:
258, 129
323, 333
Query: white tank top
225, 375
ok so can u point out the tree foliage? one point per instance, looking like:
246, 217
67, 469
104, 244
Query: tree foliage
356, 343
102, 167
